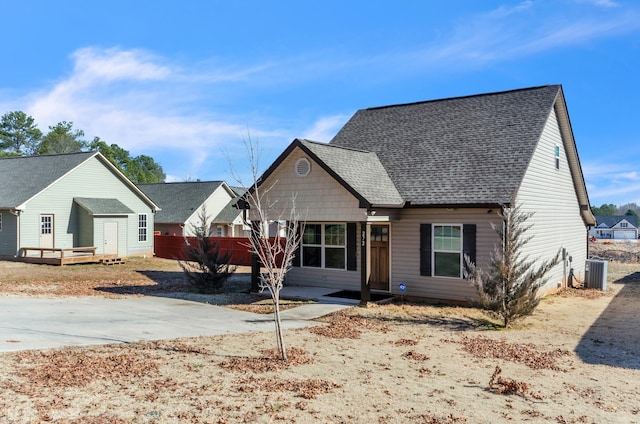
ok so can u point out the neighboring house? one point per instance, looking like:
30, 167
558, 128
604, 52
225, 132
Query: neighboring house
622, 227
72, 200
403, 192
229, 222
185, 204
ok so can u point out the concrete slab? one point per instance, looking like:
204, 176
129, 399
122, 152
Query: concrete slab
41, 323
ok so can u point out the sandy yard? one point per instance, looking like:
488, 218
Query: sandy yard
574, 361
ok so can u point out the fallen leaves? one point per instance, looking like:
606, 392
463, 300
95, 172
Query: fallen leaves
270, 362
342, 325
77, 368
528, 354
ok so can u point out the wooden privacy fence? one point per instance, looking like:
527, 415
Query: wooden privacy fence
171, 247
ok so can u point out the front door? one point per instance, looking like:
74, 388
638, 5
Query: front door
46, 231
379, 279
110, 238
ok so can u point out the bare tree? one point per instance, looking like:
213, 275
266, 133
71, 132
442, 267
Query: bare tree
275, 254
509, 289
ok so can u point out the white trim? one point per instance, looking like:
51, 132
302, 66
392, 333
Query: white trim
433, 249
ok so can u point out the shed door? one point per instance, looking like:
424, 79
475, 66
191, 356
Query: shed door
46, 231
110, 238
379, 279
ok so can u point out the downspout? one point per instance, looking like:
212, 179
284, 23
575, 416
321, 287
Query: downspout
16, 213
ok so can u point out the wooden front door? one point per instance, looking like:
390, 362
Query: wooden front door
46, 231
110, 238
379, 279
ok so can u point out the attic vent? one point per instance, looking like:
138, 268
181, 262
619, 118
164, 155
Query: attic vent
303, 167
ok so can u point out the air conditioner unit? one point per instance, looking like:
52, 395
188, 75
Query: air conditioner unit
595, 274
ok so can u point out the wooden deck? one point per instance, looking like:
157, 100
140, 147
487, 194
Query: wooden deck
72, 255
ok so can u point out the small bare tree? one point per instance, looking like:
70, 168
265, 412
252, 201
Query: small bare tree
509, 290
275, 254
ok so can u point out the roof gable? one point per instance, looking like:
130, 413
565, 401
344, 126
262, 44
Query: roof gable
359, 172
26, 176
178, 201
610, 221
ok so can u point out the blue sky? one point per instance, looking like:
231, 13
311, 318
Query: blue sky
186, 82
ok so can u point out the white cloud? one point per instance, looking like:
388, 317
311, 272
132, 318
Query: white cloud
325, 128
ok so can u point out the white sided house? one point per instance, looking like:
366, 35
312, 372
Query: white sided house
616, 227
189, 208
70, 201
403, 192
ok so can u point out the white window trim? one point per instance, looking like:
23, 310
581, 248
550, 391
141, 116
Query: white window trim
324, 246
433, 249
146, 228
557, 156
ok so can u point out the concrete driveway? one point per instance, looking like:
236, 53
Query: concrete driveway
39, 323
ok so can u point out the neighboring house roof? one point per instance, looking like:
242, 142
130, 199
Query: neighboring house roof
26, 176
179, 200
229, 213
464, 150
610, 221
98, 206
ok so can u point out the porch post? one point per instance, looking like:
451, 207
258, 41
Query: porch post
255, 263
365, 268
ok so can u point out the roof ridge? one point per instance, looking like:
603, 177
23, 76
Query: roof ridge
49, 155
335, 146
185, 182
463, 97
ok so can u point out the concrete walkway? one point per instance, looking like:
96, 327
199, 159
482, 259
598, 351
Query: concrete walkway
40, 323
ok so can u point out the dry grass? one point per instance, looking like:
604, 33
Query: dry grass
392, 363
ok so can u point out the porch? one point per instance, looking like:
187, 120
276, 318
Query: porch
67, 256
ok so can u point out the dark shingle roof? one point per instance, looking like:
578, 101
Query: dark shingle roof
99, 206
178, 201
360, 170
229, 213
458, 151
25, 176
612, 220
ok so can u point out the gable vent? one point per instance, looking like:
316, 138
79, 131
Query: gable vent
303, 167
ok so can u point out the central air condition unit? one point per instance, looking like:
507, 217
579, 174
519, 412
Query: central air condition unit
595, 274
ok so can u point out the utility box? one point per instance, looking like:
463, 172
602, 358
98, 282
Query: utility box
595, 274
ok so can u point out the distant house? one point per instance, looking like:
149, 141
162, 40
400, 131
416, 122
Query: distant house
185, 204
72, 200
620, 227
402, 193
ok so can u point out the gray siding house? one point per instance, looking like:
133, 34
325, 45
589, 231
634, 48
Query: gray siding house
183, 205
403, 192
72, 200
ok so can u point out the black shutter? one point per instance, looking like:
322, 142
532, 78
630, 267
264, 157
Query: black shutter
296, 256
425, 249
352, 249
469, 241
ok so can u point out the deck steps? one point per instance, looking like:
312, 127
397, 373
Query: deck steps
113, 261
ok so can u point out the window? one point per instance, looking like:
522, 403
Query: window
447, 250
557, 157
46, 224
142, 227
443, 247
324, 246
624, 225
